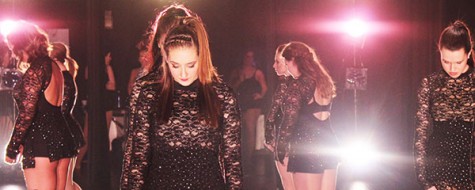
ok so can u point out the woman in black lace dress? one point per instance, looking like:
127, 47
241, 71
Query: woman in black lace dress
189, 137
60, 54
445, 117
298, 129
41, 134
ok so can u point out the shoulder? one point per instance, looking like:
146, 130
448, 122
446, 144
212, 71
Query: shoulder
39, 66
223, 90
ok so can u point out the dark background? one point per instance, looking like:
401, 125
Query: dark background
396, 58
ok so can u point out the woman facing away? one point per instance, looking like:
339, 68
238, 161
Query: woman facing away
445, 118
41, 135
298, 128
190, 135
60, 54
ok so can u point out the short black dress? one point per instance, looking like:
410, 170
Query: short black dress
245, 93
311, 140
40, 126
70, 96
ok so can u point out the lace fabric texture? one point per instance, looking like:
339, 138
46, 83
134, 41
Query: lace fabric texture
40, 127
444, 127
291, 94
184, 153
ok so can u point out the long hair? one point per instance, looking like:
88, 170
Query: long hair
190, 32
30, 39
164, 20
456, 36
309, 65
60, 51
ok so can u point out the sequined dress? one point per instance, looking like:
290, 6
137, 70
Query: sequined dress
444, 141
40, 126
184, 153
69, 101
311, 140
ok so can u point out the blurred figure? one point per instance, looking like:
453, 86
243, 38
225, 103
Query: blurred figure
60, 54
444, 121
7, 110
250, 85
189, 138
41, 135
110, 94
298, 126
144, 60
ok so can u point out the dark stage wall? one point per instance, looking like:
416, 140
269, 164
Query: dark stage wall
396, 59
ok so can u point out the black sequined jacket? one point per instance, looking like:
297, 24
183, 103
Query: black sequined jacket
147, 139
440, 99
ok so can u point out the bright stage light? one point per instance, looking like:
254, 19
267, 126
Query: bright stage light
356, 28
359, 186
359, 154
6, 27
11, 187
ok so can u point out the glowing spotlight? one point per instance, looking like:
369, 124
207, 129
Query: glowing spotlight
11, 187
356, 28
359, 186
6, 27
360, 154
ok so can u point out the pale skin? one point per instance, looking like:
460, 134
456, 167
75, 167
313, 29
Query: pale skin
183, 65
454, 63
47, 174
302, 181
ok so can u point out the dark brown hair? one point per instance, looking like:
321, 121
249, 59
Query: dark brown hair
309, 65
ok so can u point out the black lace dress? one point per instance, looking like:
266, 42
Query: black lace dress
69, 101
40, 126
282, 117
184, 153
444, 131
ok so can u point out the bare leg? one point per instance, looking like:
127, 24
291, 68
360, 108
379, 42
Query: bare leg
329, 179
308, 181
285, 177
43, 176
250, 117
83, 150
62, 173
70, 184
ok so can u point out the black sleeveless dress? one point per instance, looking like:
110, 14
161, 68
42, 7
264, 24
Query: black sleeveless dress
40, 126
310, 139
246, 91
70, 96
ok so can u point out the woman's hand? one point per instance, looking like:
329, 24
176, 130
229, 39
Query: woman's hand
11, 161
257, 96
432, 188
269, 146
108, 59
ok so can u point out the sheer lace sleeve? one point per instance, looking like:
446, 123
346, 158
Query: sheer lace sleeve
296, 95
423, 123
26, 95
232, 140
274, 113
137, 149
